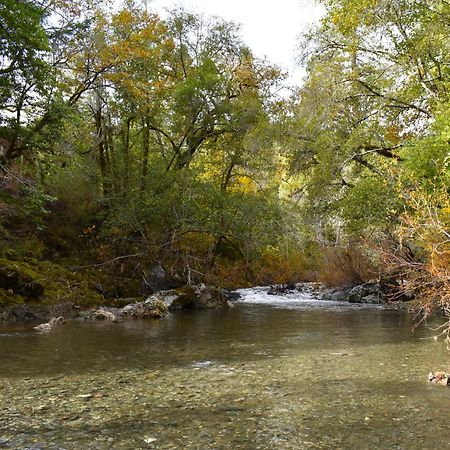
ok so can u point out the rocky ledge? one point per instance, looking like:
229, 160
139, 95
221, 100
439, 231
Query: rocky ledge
154, 307
196, 297
151, 308
372, 292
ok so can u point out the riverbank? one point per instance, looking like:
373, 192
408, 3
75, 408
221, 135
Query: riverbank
155, 306
57, 261
161, 303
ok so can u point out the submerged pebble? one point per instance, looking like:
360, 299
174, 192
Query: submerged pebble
199, 393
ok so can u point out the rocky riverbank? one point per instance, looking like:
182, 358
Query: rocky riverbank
156, 306
372, 292
38, 291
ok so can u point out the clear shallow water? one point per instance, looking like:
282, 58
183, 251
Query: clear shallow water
264, 375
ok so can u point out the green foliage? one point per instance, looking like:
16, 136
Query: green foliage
369, 206
427, 158
23, 71
22, 42
378, 83
179, 204
166, 139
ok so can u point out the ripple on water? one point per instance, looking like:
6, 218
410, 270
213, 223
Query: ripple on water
295, 299
250, 378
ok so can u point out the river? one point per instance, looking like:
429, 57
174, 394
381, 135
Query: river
271, 373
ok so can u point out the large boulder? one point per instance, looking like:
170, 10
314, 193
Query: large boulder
151, 308
157, 279
194, 297
111, 314
176, 299
232, 296
210, 297
370, 292
18, 313
334, 295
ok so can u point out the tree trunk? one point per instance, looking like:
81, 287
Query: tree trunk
145, 150
103, 159
126, 154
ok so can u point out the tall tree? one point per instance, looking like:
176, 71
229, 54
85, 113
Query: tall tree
377, 74
38, 43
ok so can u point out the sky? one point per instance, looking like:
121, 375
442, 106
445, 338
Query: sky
270, 28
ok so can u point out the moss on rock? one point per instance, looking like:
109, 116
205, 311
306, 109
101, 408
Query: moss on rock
186, 298
8, 297
45, 283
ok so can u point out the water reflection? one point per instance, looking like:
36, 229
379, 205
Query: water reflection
243, 333
253, 377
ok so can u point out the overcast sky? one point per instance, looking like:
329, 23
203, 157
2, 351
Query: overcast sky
270, 28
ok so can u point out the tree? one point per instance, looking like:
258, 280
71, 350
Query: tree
40, 43
209, 76
377, 74
23, 41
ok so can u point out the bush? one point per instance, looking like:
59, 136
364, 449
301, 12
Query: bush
342, 266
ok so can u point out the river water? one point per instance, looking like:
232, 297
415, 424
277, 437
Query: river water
271, 373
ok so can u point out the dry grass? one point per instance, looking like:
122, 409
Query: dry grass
341, 266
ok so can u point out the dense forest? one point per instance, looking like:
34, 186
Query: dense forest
133, 145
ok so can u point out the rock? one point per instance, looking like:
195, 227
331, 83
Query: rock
18, 313
210, 297
152, 308
442, 378
231, 296
196, 297
158, 272
155, 307
185, 298
159, 304
281, 289
370, 292
43, 328
56, 320
371, 299
333, 294
167, 297
158, 280
105, 314
86, 396
46, 327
